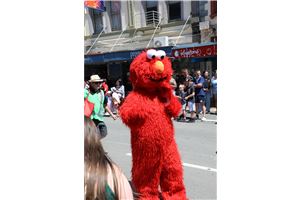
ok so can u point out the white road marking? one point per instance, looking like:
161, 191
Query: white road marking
191, 165
210, 120
199, 167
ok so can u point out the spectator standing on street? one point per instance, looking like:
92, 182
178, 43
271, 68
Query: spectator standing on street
190, 99
103, 179
96, 96
109, 82
119, 79
199, 94
214, 88
207, 87
181, 98
116, 100
86, 85
104, 87
110, 102
174, 85
186, 77
120, 89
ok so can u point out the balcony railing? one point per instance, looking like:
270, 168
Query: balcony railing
151, 18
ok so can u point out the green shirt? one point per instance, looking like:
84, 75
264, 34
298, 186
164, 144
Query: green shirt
98, 100
110, 195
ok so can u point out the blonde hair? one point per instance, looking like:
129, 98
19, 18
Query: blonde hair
181, 86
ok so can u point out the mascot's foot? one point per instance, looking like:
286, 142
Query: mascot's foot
177, 196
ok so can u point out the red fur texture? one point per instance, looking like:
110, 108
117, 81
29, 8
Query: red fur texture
147, 111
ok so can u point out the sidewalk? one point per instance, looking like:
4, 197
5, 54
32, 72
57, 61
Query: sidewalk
210, 118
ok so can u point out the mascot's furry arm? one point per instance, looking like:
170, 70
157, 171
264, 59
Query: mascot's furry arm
173, 105
134, 111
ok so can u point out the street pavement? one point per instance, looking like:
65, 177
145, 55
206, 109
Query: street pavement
197, 144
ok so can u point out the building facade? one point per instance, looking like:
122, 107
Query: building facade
115, 36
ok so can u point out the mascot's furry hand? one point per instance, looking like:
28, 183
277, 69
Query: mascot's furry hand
147, 111
173, 105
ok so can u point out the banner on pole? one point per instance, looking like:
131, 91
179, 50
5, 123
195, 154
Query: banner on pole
98, 5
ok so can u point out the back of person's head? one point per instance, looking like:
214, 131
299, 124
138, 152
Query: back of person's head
95, 161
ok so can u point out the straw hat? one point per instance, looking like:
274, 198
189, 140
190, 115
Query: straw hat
95, 78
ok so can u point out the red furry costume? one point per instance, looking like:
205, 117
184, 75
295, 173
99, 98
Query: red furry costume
147, 111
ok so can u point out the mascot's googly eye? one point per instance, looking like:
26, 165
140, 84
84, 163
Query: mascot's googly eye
160, 54
151, 54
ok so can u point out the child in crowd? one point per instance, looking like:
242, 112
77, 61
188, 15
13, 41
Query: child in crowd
190, 99
181, 98
116, 100
110, 102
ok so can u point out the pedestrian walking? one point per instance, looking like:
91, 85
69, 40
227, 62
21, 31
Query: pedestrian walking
214, 88
199, 94
103, 179
190, 99
181, 98
96, 96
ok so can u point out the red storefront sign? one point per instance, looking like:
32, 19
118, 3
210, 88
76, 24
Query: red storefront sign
210, 50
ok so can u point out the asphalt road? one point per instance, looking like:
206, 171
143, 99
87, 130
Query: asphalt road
197, 143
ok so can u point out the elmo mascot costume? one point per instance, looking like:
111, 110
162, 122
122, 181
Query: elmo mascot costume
147, 111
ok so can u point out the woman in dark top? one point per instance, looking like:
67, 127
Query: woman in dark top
207, 87
103, 180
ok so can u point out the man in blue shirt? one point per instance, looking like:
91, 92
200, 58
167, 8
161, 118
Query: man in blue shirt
199, 94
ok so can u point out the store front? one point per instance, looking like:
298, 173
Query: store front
114, 65
195, 57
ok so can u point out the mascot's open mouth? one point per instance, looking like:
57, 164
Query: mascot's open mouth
158, 80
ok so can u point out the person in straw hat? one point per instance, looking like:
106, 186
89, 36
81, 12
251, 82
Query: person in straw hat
98, 98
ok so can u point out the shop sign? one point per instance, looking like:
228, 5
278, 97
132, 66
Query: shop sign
133, 54
192, 52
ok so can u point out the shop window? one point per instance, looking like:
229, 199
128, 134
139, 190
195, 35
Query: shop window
195, 8
151, 13
174, 10
115, 16
97, 20
213, 39
213, 9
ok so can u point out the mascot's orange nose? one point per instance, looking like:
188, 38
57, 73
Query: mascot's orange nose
159, 67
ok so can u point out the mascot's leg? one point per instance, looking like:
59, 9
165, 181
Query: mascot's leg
146, 169
171, 181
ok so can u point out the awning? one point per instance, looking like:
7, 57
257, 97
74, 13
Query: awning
195, 50
93, 58
121, 56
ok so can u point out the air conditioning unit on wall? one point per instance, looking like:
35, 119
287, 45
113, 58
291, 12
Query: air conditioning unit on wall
161, 41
